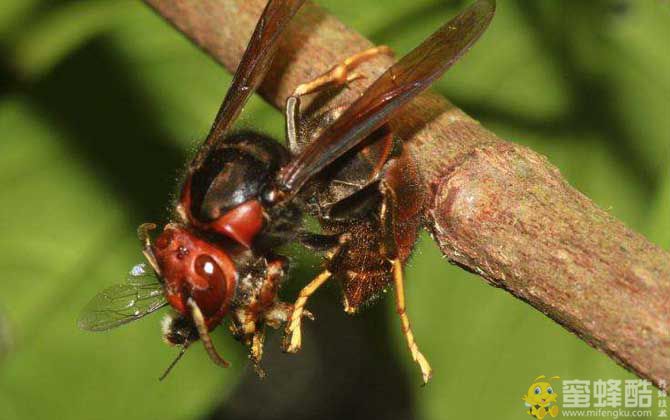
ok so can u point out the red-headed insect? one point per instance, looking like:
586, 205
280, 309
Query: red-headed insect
245, 194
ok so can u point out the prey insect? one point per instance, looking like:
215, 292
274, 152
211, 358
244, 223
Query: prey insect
245, 194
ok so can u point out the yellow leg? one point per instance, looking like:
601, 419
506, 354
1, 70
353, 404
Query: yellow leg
293, 333
199, 321
419, 358
257, 352
341, 73
257, 345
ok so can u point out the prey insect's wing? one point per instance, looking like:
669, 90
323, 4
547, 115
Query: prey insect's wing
252, 68
141, 295
397, 86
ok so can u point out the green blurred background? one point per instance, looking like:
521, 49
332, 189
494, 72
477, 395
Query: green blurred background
100, 104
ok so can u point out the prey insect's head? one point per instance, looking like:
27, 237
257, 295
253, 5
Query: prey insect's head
193, 276
199, 280
178, 330
194, 269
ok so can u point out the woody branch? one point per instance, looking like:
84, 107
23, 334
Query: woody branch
495, 208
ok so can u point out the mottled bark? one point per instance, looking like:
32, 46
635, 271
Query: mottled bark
497, 209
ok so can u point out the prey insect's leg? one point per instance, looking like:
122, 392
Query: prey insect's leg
144, 237
389, 249
200, 324
293, 332
257, 351
257, 345
182, 351
341, 73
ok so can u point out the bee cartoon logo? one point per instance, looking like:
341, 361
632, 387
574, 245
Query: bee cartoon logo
540, 400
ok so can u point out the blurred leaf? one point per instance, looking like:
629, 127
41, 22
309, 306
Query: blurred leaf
13, 14
658, 226
59, 32
184, 85
64, 239
638, 65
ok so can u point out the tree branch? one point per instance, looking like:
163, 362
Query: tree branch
497, 209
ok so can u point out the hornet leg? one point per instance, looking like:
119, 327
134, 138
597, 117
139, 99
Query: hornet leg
338, 75
388, 219
341, 73
293, 339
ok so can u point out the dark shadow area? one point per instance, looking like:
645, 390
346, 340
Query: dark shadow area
483, 111
9, 78
392, 28
43, 8
346, 369
592, 95
110, 127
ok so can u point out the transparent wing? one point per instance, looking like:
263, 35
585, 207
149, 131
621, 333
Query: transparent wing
397, 86
141, 295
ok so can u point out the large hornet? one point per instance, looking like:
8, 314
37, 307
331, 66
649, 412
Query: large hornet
245, 194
